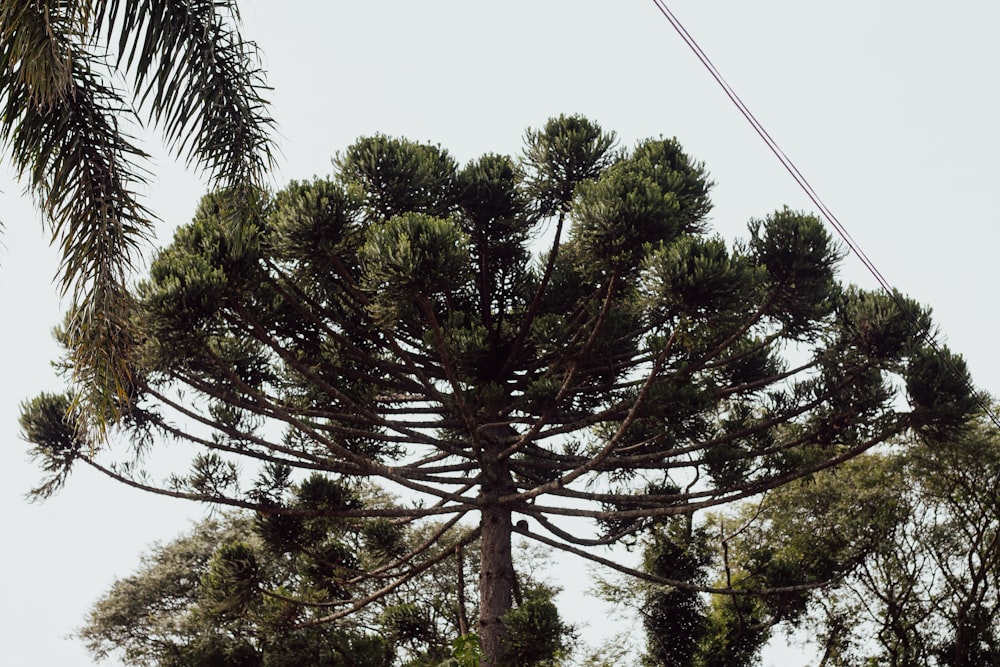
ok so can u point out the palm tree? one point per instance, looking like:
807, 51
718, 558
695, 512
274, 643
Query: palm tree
66, 125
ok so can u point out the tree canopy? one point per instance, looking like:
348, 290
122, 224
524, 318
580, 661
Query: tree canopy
903, 544
800, 541
394, 323
231, 590
928, 592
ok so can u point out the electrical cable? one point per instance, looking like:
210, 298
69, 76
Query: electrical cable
813, 196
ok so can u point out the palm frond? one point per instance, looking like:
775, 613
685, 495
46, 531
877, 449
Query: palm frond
198, 79
37, 41
192, 74
67, 142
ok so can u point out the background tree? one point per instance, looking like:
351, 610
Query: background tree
67, 128
233, 590
172, 611
795, 541
905, 542
392, 324
929, 593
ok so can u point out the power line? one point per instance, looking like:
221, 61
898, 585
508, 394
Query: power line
810, 192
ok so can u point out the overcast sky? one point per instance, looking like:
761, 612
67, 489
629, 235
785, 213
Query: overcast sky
890, 109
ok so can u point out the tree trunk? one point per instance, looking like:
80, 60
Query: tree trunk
496, 571
496, 581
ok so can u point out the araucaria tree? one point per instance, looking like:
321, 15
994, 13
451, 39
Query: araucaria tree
393, 324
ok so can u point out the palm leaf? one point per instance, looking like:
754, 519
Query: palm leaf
198, 80
60, 122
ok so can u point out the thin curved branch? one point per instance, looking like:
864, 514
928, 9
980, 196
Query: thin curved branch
674, 583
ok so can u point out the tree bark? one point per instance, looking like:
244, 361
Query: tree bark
496, 572
496, 581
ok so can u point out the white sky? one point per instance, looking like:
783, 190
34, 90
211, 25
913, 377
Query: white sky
889, 108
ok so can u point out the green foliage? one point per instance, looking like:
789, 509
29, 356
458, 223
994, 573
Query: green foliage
392, 324
412, 256
406, 622
904, 542
535, 634
68, 127
799, 257
611, 653
465, 652
793, 542
232, 582
694, 277
567, 151
493, 202
214, 651
639, 203
666, 163
879, 325
314, 223
396, 176
939, 393
735, 633
674, 619
48, 422
210, 598
199, 601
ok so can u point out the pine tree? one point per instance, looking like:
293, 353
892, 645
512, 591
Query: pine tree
392, 323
